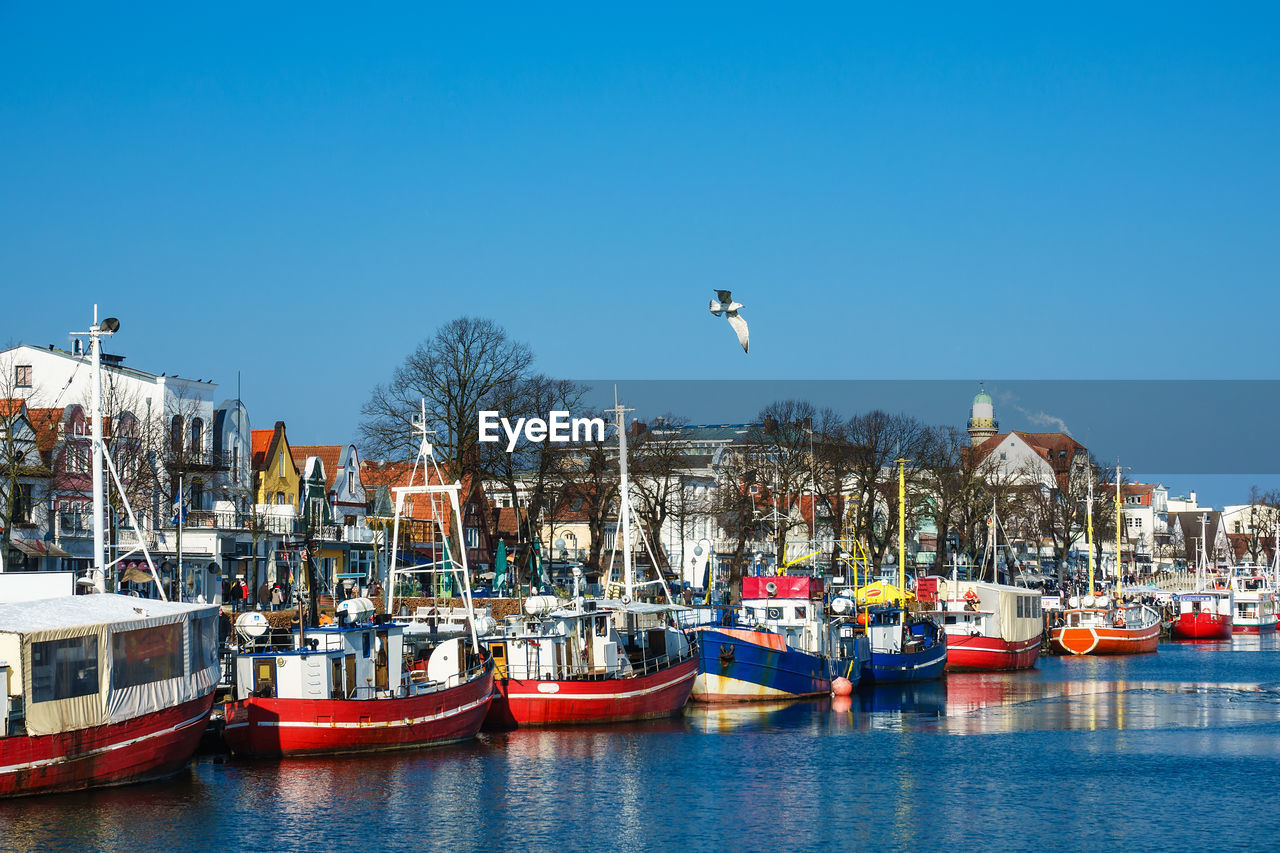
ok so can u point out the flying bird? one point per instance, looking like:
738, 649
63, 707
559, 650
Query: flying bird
729, 308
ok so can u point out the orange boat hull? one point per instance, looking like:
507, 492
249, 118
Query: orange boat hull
1103, 640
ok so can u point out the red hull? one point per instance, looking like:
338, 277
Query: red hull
1202, 626
1105, 640
990, 654
561, 703
147, 747
1237, 628
257, 726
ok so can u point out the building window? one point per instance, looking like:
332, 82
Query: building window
197, 436
472, 537
22, 375
351, 482
235, 462
279, 498
197, 495
175, 435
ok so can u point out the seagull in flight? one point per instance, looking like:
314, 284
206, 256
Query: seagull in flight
724, 304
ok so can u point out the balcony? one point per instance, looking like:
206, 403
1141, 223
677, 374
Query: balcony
196, 460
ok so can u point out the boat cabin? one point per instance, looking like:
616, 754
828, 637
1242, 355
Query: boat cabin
892, 629
82, 661
1216, 602
583, 641
789, 606
966, 608
359, 657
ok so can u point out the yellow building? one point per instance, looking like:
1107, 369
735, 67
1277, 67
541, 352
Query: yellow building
274, 473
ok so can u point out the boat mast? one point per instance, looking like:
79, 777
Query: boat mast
1119, 532
1089, 531
1202, 559
1275, 554
994, 543
624, 498
95, 403
902, 531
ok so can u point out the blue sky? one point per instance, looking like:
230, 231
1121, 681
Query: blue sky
302, 193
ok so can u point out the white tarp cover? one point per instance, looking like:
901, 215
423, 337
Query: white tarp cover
89, 622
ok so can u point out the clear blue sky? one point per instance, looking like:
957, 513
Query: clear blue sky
303, 193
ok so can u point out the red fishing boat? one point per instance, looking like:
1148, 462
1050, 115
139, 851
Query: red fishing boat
593, 661
346, 688
361, 684
103, 690
1208, 612
989, 627
1204, 615
1094, 627
567, 666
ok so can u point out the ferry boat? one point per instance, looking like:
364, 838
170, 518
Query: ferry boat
1095, 625
103, 690
356, 686
784, 646
598, 661
360, 684
1255, 602
989, 627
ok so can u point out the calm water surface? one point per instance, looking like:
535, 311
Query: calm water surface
1156, 752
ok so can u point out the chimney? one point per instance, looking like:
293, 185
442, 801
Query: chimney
76, 347
770, 425
637, 428
1193, 499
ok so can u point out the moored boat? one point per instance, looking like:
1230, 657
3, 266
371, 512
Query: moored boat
1207, 614
989, 627
361, 684
904, 646
1093, 626
103, 690
598, 661
355, 687
784, 646
1255, 601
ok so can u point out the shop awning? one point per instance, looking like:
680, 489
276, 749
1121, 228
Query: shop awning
38, 548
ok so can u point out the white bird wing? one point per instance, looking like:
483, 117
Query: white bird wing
715, 307
739, 326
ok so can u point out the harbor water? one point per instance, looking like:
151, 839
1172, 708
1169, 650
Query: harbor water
1158, 751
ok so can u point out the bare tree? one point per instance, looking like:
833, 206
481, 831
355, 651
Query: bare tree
657, 473
464, 367
735, 504
532, 465
784, 440
587, 472
878, 439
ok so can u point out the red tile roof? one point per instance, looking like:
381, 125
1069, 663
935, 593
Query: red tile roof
329, 455
261, 444
11, 406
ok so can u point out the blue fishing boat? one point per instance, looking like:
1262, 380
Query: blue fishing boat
904, 647
782, 645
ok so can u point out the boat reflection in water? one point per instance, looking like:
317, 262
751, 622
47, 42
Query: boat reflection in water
792, 715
